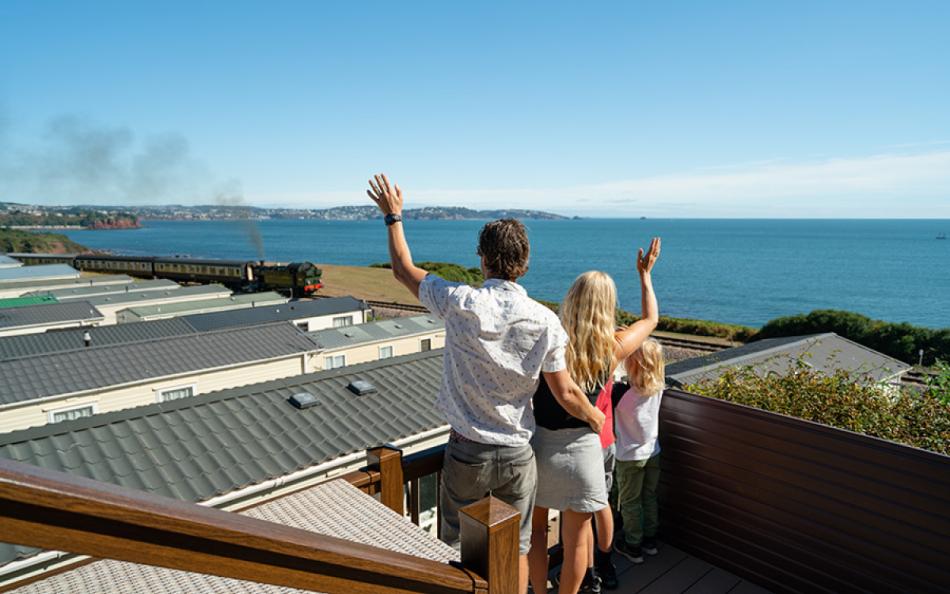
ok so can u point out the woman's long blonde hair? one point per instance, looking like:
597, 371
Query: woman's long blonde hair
646, 369
588, 315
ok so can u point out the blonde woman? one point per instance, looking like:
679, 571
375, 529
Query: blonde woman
569, 455
638, 451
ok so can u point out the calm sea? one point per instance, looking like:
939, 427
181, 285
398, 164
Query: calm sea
741, 271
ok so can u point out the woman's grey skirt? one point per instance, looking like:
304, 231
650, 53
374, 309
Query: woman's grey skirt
570, 470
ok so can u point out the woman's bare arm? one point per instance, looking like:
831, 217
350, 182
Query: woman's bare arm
630, 338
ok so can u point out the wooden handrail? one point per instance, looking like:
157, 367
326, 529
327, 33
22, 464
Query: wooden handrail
55, 510
423, 463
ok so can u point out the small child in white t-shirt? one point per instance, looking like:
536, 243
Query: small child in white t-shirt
636, 424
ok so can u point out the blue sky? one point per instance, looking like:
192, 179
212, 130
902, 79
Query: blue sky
692, 109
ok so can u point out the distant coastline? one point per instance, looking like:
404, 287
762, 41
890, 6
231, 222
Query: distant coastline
30, 216
337, 213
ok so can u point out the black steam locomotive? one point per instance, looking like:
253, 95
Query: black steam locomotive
298, 279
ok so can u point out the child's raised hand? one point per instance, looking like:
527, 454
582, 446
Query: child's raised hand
646, 262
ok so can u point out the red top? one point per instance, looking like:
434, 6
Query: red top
606, 406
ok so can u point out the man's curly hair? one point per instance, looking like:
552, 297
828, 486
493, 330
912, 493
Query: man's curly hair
504, 245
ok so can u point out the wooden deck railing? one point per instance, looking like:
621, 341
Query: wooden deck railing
799, 507
54, 510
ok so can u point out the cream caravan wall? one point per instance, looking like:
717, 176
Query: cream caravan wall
107, 399
366, 352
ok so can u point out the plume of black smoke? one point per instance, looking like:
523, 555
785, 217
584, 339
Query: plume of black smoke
232, 195
81, 161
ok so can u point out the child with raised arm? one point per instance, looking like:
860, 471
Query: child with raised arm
636, 424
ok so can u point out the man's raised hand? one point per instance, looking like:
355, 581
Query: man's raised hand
387, 197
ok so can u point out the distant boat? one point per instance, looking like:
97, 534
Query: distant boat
941, 236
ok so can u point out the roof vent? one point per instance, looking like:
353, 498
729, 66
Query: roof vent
348, 334
397, 326
303, 400
361, 387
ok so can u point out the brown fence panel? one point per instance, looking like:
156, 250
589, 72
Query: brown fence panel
800, 507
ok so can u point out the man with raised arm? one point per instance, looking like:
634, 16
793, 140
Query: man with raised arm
498, 342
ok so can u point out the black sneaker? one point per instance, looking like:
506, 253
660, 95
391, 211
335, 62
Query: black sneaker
649, 545
590, 585
608, 576
632, 552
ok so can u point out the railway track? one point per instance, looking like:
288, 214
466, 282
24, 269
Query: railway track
916, 378
696, 343
396, 305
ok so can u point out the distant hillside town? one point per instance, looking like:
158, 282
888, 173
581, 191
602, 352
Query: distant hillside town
29, 216
100, 217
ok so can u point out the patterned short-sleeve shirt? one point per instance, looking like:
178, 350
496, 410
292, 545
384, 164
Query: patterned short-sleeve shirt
497, 342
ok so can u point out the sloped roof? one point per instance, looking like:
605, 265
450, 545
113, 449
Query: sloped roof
25, 301
335, 508
31, 378
294, 310
25, 345
40, 272
200, 447
235, 302
176, 294
49, 313
85, 281
8, 262
333, 338
84, 292
824, 353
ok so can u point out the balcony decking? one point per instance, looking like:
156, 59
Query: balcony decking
673, 571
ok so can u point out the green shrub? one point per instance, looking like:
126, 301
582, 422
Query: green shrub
447, 270
899, 340
938, 385
839, 400
695, 327
29, 242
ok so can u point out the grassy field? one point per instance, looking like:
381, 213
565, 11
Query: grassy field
364, 283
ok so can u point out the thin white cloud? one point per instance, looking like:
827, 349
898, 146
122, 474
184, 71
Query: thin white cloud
883, 185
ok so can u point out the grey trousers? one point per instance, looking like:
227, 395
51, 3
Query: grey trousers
472, 471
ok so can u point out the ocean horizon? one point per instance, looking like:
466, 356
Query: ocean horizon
744, 271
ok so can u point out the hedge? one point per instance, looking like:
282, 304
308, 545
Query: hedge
903, 415
899, 340
447, 270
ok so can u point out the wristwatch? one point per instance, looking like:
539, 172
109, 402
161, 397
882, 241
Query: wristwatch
392, 219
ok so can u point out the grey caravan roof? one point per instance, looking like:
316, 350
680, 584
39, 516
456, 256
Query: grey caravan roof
294, 310
200, 447
825, 353
84, 369
333, 338
39, 272
54, 341
86, 292
49, 313
8, 262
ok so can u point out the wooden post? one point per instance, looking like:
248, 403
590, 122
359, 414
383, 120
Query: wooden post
489, 531
388, 461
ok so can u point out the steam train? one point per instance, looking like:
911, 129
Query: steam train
298, 279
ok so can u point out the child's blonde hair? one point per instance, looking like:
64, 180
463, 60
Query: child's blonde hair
646, 369
588, 315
